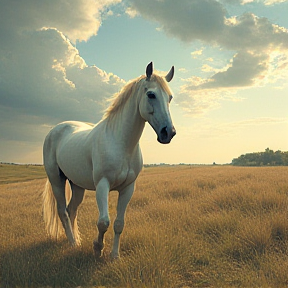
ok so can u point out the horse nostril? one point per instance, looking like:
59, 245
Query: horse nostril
164, 133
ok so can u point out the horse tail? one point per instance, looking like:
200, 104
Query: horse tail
76, 232
50, 213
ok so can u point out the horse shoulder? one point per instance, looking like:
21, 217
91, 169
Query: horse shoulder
134, 167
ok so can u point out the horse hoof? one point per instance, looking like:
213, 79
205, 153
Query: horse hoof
97, 247
114, 256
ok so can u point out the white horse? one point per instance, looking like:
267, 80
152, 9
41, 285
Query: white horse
104, 157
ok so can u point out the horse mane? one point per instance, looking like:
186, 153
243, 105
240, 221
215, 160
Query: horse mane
119, 99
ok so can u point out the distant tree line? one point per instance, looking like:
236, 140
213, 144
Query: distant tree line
266, 158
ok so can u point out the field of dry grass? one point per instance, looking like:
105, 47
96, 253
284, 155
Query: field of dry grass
217, 226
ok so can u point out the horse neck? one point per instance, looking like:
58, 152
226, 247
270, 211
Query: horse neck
127, 124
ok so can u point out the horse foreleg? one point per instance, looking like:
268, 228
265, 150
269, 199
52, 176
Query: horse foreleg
102, 191
123, 200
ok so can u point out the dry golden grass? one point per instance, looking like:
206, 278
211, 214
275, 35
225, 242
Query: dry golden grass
185, 227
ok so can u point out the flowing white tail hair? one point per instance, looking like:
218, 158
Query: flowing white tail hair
50, 214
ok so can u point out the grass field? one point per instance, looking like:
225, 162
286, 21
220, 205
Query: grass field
217, 226
10, 173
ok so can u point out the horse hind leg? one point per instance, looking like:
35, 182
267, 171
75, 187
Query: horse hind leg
76, 200
59, 194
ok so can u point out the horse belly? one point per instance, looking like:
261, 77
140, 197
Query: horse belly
78, 172
73, 160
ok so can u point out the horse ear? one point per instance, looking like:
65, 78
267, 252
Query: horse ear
170, 75
149, 70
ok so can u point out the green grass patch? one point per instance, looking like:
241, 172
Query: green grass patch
11, 173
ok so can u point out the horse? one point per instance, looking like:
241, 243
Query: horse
103, 157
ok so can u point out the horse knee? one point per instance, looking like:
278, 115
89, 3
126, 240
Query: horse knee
103, 224
118, 226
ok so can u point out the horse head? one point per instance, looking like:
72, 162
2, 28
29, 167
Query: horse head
154, 104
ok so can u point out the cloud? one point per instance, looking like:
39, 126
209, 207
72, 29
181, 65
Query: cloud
243, 2
44, 75
191, 20
43, 79
183, 70
260, 47
207, 68
250, 32
245, 70
77, 19
196, 53
206, 20
132, 13
272, 2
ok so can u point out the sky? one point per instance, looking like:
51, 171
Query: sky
61, 60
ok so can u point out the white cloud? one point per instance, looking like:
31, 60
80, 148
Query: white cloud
272, 2
43, 79
197, 53
131, 12
207, 68
183, 70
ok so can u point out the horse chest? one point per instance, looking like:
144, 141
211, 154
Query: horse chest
125, 178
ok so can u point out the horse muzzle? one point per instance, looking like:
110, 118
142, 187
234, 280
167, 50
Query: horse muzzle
166, 134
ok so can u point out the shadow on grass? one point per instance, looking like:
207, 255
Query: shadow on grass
47, 264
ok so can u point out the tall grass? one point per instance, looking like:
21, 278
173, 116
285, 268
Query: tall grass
185, 227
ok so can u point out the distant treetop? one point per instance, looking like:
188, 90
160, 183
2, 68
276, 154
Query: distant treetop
266, 158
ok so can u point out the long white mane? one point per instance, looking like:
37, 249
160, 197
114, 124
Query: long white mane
119, 99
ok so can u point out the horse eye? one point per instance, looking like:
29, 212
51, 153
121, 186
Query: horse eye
170, 98
151, 95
